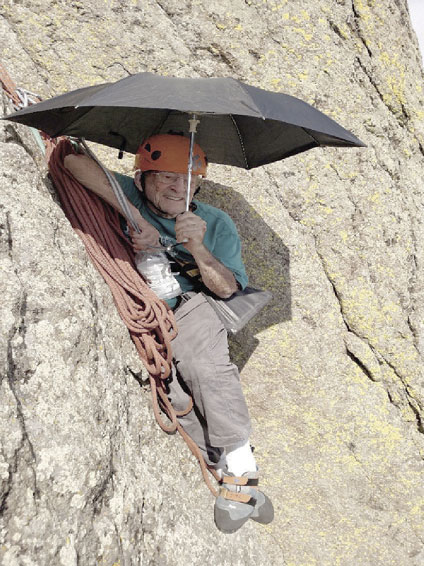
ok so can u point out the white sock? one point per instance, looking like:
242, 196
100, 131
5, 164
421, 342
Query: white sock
240, 458
219, 471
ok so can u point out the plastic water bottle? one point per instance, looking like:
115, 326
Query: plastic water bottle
154, 266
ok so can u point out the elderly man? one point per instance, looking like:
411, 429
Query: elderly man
209, 253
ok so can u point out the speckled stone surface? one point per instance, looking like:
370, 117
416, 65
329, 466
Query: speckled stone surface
332, 370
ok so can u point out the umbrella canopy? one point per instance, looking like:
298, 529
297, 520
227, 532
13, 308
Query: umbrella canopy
240, 125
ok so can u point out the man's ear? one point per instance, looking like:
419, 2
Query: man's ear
138, 180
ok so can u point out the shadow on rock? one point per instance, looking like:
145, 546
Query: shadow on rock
265, 256
267, 264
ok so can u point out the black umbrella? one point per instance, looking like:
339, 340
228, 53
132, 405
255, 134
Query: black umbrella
239, 125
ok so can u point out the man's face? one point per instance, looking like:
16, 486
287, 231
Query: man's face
166, 192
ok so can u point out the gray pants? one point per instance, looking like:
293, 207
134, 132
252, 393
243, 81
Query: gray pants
202, 369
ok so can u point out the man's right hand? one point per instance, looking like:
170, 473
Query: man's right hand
145, 239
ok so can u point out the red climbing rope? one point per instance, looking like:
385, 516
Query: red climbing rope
150, 321
9, 87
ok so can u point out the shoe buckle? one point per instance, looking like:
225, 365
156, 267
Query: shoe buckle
237, 496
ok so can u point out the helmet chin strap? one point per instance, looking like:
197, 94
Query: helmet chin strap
193, 121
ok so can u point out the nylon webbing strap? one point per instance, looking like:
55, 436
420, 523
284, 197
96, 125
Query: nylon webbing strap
240, 480
234, 496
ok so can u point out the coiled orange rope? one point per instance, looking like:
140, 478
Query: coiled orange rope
150, 321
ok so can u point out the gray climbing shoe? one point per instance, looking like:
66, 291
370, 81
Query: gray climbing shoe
264, 510
239, 500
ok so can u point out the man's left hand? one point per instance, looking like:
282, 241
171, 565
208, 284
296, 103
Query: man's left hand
190, 230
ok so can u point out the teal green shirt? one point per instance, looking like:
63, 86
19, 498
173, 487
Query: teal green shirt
221, 237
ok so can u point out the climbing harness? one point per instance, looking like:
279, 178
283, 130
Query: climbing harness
150, 321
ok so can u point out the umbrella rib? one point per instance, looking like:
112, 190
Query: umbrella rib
240, 140
311, 136
59, 131
158, 129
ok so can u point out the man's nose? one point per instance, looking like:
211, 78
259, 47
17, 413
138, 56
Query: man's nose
179, 184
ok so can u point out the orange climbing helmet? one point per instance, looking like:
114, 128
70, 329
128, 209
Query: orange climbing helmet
170, 152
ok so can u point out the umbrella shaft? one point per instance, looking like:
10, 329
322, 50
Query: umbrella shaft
190, 167
193, 128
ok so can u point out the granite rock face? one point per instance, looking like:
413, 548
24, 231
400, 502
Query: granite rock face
332, 370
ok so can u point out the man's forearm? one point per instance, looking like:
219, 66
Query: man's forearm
217, 278
89, 174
